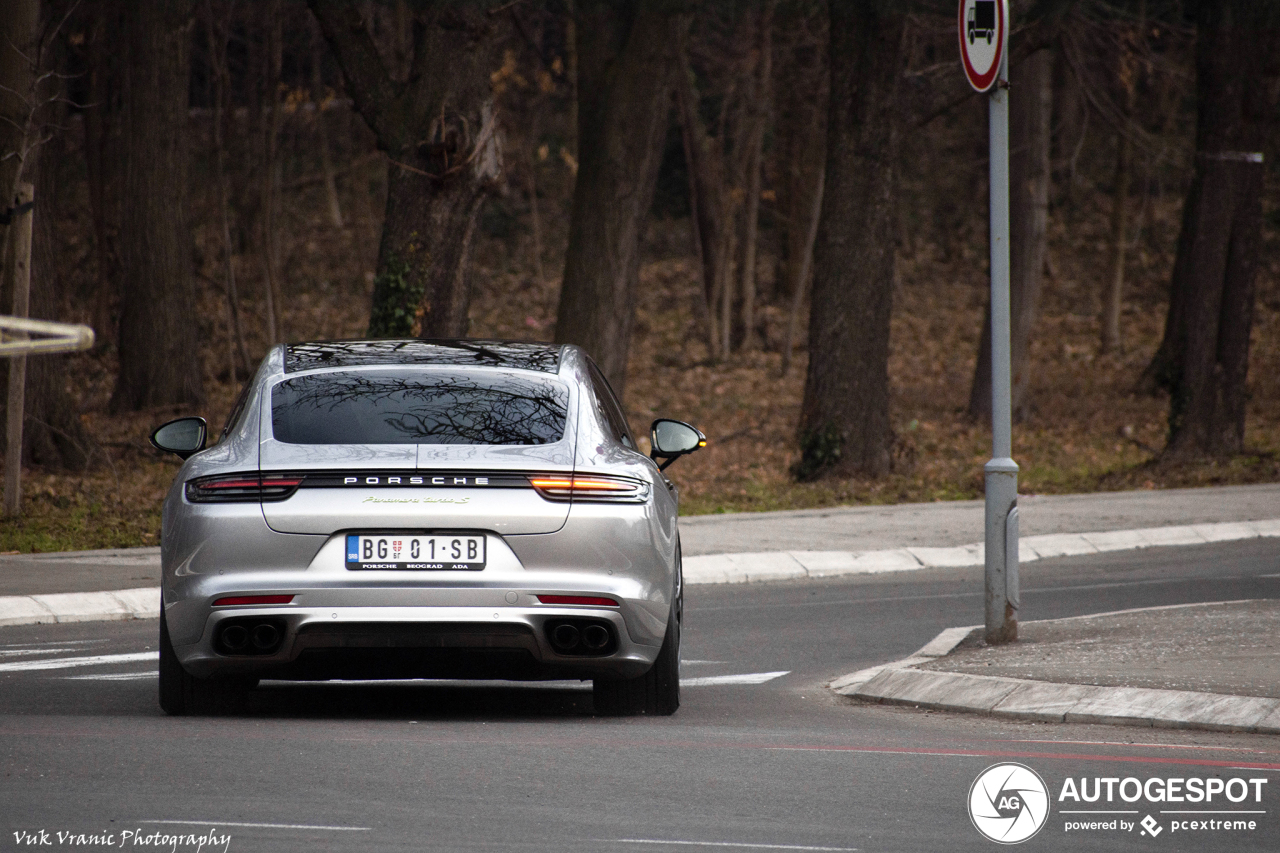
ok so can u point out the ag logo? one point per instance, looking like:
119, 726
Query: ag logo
1008, 803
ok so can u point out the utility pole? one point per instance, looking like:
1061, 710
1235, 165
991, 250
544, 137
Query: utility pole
984, 28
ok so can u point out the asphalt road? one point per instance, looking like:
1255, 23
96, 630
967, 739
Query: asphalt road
760, 757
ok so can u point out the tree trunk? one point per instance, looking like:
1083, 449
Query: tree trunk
624, 74
159, 346
440, 131
273, 29
1204, 357
706, 184
53, 435
758, 116
844, 420
1030, 111
799, 131
104, 160
1113, 293
217, 42
320, 96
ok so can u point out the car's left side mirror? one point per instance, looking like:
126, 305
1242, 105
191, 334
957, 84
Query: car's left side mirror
184, 436
669, 440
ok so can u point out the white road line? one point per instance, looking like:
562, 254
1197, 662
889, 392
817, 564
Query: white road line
744, 678
66, 663
217, 823
114, 676
723, 844
14, 653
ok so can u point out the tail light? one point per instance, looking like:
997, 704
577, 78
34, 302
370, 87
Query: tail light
590, 488
253, 599
232, 488
586, 600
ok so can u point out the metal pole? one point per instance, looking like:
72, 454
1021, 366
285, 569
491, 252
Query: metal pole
21, 231
1001, 472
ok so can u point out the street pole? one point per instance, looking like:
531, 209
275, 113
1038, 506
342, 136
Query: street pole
1001, 473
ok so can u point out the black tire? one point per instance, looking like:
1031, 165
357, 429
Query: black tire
172, 675
657, 692
181, 693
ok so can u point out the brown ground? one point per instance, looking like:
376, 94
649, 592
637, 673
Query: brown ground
1089, 429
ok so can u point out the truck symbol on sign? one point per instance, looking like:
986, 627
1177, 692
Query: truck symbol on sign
982, 20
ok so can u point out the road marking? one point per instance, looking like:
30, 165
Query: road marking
66, 663
114, 676
217, 823
722, 844
21, 652
744, 678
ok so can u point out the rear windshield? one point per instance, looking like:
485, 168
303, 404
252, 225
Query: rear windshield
419, 407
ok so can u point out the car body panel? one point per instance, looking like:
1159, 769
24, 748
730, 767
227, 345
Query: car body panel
487, 622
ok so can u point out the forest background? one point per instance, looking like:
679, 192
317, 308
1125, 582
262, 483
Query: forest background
673, 185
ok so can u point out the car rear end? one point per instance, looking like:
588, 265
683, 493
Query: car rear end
471, 532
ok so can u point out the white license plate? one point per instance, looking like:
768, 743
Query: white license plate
415, 552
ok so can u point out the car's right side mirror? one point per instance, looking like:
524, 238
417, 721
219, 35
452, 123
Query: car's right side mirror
669, 440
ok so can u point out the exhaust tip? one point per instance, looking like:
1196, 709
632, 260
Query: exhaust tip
235, 637
564, 637
265, 637
595, 637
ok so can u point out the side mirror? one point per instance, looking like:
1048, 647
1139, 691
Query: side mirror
184, 436
670, 440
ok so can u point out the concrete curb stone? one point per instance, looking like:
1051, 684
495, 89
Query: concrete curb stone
900, 683
780, 565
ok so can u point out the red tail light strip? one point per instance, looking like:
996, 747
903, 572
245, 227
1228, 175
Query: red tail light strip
254, 599
587, 600
229, 488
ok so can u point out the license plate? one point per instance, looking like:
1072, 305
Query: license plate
415, 552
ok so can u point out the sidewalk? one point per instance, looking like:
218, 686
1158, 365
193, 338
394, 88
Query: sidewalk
1202, 666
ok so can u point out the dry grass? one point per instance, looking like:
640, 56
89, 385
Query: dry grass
1088, 431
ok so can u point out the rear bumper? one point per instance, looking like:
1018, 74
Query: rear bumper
378, 642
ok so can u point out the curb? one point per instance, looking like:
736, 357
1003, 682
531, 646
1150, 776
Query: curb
118, 605
785, 565
900, 683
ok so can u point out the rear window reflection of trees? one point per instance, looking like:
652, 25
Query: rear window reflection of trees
368, 407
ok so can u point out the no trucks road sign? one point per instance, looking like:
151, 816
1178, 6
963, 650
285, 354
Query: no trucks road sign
984, 33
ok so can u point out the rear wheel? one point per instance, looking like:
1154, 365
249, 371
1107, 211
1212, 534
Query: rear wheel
657, 692
181, 693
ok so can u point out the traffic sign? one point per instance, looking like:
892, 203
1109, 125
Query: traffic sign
984, 35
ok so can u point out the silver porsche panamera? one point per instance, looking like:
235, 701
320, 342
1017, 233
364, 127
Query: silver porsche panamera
422, 509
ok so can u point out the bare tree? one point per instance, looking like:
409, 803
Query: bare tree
624, 65
1203, 359
440, 131
723, 94
844, 420
159, 345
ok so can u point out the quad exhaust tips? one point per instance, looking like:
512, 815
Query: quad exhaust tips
581, 637
249, 636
